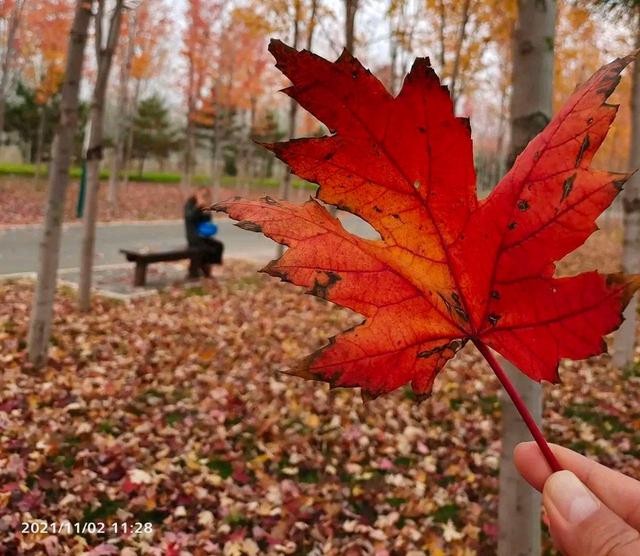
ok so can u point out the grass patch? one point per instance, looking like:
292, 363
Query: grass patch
174, 417
446, 513
154, 516
308, 475
606, 424
631, 371
221, 467
29, 170
106, 508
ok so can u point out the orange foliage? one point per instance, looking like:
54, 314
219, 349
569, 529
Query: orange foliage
43, 45
199, 47
240, 74
5, 8
243, 60
152, 27
578, 26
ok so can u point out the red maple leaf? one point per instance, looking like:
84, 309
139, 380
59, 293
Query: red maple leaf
448, 267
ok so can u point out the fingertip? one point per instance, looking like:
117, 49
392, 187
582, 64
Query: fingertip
524, 454
531, 464
522, 449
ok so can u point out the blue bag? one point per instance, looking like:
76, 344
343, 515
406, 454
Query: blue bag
207, 229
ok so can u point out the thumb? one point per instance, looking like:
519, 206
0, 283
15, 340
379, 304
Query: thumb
581, 525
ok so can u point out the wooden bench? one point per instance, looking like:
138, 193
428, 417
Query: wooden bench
143, 259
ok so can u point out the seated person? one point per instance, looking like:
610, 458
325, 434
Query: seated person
200, 229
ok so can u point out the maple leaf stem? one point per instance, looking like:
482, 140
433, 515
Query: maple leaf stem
520, 405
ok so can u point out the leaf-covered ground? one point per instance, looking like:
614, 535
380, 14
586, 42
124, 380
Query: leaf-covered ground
171, 410
22, 200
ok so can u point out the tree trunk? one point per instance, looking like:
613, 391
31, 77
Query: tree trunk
216, 151
7, 56
187, 175
532, 79
129, 141
311, 26
393, 55
286, 182
285, 192
625, 337
123, 115
94, 153
40, 142
42, 308
462, 32
351, 7
443, 22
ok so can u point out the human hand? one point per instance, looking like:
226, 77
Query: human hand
591, 510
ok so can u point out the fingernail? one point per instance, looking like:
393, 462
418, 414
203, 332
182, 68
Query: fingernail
570, 497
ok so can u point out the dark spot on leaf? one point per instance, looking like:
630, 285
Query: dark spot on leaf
493, 318
419, 398
453, 345
583, 148
567, 186
321, 289
495, 294
512, 225
354, 74
272, 269
249, 226
396, 216
428, 353
422, 130
465, 122
536, 155
523, 205
377, 209
329, 156
589, 121
462, 314
445, 301
455, 297
618, 184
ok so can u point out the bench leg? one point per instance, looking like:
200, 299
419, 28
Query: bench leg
194, 267
140, 275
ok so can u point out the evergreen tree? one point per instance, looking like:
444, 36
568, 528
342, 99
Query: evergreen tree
22, 116
153, 136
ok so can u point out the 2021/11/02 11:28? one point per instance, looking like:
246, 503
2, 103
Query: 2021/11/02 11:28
87, 527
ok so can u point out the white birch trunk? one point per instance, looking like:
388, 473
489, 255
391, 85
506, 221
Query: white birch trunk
532, 79
42, 308
625, 338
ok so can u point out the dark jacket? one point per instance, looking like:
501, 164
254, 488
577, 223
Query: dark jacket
194, 215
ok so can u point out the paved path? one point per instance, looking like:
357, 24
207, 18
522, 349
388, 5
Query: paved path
19, 246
